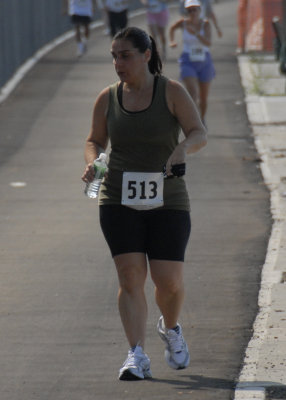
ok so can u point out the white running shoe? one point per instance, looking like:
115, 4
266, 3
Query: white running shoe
176, 352
84, 44
80, 49
136, 366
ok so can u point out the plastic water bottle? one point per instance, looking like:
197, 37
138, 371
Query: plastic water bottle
100, 166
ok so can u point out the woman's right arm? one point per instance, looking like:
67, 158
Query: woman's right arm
97, 139
172, 30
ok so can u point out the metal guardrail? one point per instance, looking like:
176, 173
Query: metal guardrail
279, 44
28, 25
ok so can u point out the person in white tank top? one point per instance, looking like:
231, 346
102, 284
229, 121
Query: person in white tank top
81, 13
196, 66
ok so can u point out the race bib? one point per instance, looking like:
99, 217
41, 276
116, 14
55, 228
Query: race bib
197, 53
142, 190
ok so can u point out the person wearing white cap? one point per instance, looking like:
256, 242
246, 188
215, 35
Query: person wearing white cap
192, 3
196, 65
207, 11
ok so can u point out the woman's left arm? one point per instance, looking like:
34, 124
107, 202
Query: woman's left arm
184, 109
206, 38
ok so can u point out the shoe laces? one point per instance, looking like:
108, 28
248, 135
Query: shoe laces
176, 341
131, 358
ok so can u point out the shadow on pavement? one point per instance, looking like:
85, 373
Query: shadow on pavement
274, 390
197, 382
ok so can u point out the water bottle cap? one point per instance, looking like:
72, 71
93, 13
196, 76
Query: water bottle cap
102, 156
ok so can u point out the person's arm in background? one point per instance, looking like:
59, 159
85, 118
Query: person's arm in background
210, 14
214, 20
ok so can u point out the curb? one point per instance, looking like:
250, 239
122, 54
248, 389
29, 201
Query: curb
248, 388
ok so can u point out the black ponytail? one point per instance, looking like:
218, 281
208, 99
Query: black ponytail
155, 63
142, 41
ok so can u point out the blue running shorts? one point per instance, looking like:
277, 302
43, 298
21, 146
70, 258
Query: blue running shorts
204, 71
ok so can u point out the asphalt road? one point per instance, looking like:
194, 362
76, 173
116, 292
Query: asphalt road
61, 336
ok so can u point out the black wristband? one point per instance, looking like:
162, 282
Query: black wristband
178, 169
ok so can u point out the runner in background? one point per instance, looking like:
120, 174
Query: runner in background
81, 13
104, 16
157, 20
196, 66
117, 11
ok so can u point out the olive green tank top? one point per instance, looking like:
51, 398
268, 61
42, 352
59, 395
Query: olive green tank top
142, 142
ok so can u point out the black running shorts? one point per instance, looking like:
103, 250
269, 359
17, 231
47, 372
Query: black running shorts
162, 234
80, 19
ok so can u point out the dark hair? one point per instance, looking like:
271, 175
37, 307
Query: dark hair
142, 41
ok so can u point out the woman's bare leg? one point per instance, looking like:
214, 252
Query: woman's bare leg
204, 93
169, 289
132, 272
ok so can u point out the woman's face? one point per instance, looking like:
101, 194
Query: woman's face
129, 63
194, 13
